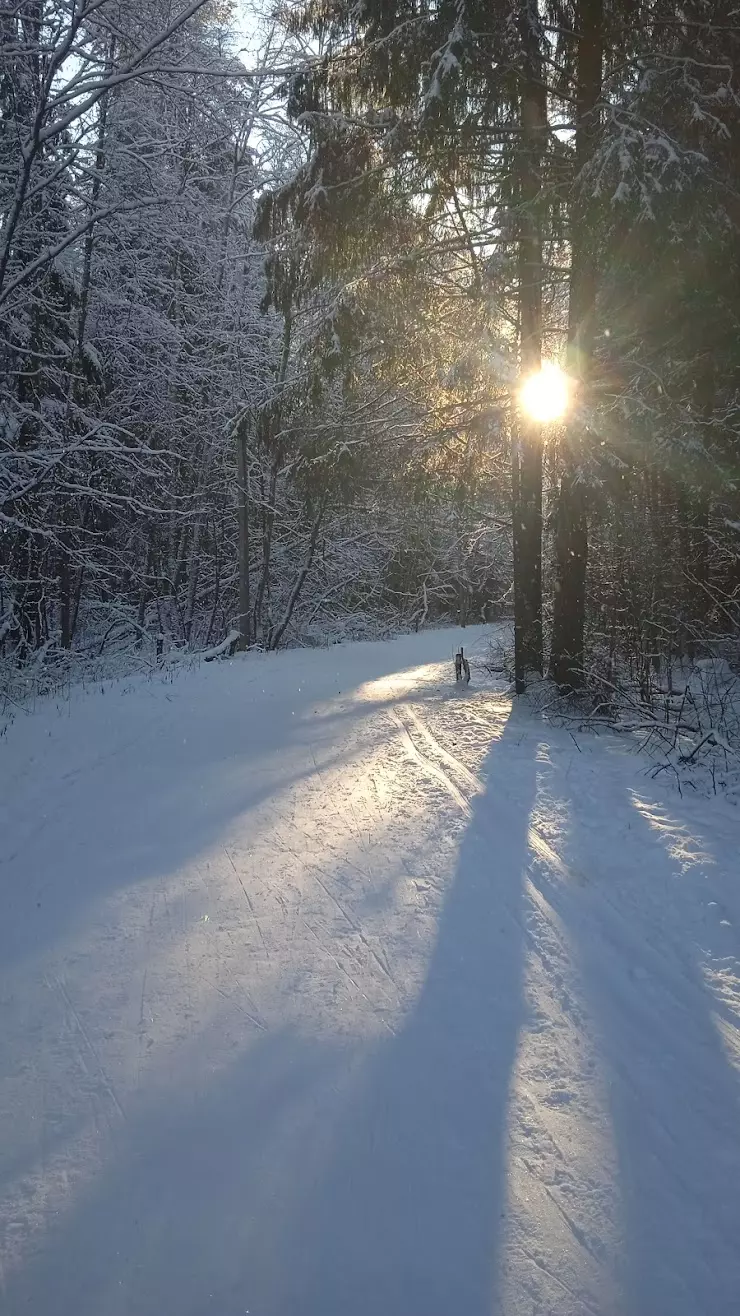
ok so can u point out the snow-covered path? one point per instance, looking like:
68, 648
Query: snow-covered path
328, 991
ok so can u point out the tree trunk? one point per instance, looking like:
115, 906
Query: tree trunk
269, 426
527, 448
300, 579
694, 508
76, 602
244, 620
268, 523
567, 658
65, 595
193, 576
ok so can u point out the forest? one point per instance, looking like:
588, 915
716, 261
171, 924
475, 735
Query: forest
270, 282
369, 658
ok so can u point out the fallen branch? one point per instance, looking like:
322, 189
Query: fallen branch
226, 646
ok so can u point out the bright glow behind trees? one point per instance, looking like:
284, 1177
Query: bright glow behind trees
545, 395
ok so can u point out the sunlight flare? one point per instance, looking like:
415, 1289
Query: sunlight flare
544, 395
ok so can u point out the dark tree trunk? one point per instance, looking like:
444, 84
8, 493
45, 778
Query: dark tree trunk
694, 511
268, 524
243, 507
300, 579
569, 604
571, 526
269, 426
65, 597
527, 448
76, 603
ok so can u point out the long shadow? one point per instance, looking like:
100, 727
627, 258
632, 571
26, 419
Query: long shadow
185, 1214
408, 1214
641, 924
324, 1179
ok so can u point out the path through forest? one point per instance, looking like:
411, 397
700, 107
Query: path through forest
329, 990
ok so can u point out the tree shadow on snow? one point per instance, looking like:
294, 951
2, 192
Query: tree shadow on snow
184, 1214
408, 1215
322, 1178
643, 929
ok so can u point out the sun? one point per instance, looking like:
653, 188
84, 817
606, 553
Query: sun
545, 395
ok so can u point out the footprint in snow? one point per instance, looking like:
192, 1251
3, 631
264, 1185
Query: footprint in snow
560, 1097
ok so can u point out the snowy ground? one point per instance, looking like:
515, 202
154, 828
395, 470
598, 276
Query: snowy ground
328, 991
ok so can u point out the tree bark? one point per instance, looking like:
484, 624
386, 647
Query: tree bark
268, 524
244, 620
300, 579
567, 658
65, 596
527, 448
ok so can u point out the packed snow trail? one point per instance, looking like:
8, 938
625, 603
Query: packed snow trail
328, 989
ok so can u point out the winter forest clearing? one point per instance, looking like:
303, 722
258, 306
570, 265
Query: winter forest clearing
328, 988
369, 977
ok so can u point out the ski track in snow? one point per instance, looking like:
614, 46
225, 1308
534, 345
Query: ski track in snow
328, 989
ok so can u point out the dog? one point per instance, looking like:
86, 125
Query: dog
462, 668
